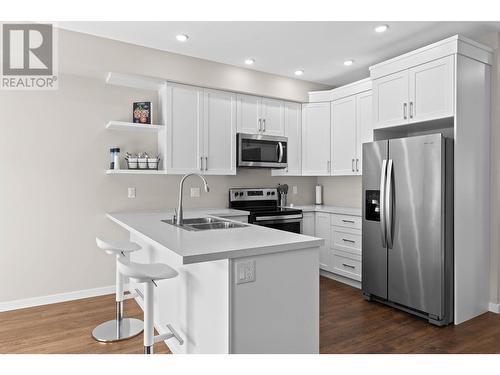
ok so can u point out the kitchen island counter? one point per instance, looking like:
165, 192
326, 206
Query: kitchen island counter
242, 290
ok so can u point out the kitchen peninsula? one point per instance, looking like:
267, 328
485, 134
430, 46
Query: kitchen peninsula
248, 289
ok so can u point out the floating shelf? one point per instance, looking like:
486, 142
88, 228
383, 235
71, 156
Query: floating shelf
135, 81
130, 126
134, 171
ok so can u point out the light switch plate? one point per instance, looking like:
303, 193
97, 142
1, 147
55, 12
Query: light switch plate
294, 190
244, 271
131, 192
195, 192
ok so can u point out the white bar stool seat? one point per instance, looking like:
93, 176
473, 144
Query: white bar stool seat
148, 274
119, 328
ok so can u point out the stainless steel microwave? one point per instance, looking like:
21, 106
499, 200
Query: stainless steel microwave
262, 151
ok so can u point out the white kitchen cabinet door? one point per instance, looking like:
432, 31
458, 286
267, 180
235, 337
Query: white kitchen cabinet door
344, 136
293, 131
308, 224
364, 126
219, 130
431, 90
316, 139
273, 117
184, 129
323, 228
249, 114
390, 100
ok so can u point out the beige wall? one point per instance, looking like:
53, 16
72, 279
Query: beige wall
341, 191
54, 193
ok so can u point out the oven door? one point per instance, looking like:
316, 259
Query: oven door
263, 151
291, 224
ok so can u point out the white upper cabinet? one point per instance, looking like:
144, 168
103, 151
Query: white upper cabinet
219, 133
248, 112
421, 93
344, 136
256, 115
184, 122
390, 98
316, 139
201, 131
431, 90
293, 131
364, 125
272, 114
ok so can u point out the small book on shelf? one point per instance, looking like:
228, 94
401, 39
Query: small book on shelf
143, 113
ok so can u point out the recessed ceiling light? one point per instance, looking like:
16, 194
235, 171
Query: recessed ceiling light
249, 61
182, 37
299, 72
381, 28
348, 62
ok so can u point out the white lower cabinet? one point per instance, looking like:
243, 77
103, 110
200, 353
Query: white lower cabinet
308, 224
341, 252
322, 228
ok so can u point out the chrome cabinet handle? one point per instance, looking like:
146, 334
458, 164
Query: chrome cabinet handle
206, 162
388, 206
348, 266
348, 221
405, 116
346, 240
352, 165
328, 167
201, 163
264, 123
357, 165
411, 109
260, 124
383, 174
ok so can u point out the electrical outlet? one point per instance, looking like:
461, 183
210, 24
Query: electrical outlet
195, 192
294, 190
131, 192
245, 271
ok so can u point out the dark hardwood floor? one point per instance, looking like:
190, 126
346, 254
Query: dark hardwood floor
348, 324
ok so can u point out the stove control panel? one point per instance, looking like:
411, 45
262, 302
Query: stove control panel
243, 194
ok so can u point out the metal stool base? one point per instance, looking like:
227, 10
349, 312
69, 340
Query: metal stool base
110, 332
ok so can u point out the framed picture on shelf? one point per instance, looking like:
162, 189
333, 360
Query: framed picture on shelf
142, 113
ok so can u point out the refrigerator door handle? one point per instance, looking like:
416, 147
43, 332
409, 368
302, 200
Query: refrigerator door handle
388, 205
382, 203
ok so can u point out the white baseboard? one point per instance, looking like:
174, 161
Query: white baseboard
55, 298
342, 279
494, 307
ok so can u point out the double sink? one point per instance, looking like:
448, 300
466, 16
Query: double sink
205, 223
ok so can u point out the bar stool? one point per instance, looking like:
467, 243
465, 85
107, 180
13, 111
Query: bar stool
119, 328
148, 274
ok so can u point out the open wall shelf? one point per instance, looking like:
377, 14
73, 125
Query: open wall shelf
130, 126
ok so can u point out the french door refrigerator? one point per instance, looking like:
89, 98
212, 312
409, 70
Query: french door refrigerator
407, 227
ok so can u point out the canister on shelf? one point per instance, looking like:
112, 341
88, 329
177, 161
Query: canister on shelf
115, 158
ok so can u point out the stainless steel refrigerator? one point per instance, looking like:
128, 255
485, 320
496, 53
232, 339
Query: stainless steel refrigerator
407, 246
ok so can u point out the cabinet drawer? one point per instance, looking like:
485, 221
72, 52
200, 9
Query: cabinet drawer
345, 239
346, 221
347, 267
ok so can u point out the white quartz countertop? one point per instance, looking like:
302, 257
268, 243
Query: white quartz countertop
209, 245
330, 209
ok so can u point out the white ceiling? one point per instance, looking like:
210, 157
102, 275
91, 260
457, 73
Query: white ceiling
319, 48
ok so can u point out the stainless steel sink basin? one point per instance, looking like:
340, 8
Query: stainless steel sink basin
217, 225
205, 223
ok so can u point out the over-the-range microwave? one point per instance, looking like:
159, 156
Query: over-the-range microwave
261, 151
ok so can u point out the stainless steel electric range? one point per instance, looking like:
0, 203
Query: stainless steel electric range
262, 203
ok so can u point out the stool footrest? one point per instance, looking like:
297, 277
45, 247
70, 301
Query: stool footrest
130, 295
172, 334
